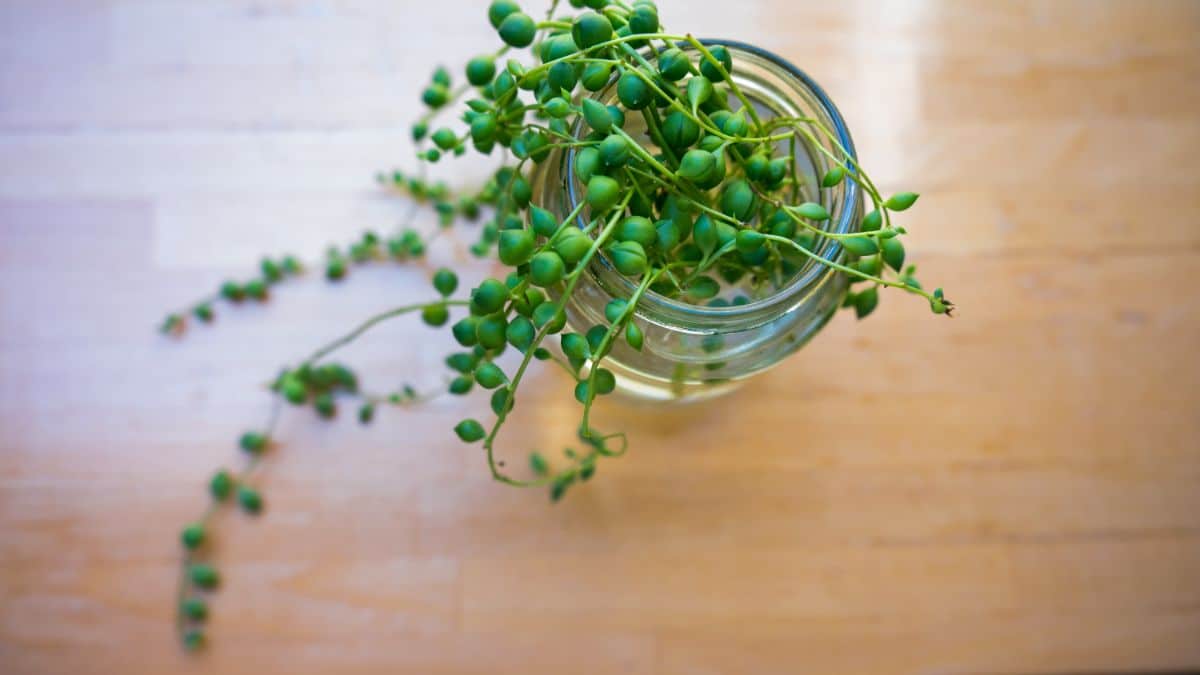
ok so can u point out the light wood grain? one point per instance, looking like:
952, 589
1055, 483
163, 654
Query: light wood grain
1015, 491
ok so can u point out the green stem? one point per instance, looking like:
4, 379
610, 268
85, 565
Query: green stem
374, 321
737, 91
542, 33
572, 280
654, 126
704, 121
190, 557
850, 270
649, 159
600, 351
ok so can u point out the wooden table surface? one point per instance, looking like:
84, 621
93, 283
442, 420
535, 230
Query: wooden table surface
1013, 491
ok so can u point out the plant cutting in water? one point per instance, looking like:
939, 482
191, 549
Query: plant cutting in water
701, 199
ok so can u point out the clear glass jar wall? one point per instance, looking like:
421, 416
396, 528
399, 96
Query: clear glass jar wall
694, 351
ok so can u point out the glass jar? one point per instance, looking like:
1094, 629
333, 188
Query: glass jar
692, 351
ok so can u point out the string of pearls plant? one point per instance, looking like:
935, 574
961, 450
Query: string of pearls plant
710, 190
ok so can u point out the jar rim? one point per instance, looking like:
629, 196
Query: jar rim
676, 312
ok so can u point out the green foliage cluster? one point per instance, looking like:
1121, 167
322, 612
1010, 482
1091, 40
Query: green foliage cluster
709, 198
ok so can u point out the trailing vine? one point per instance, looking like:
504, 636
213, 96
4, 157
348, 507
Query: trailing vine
706, 206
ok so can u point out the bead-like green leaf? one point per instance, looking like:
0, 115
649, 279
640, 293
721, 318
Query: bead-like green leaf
574, 345
193, 640
860, 245
735, 125
833, 177
738, 200
603, 193
680, 131
557, 47
866, 302
538, 464
366, 413
543, 222
253, 442
667, 235
481, 70
491, 331
673, 64
560, 485
590, 29
469, 431
293, 390
615, 309
584, 392
192, 536
220, 485
517, 30
436, 314
464, 331
516, 247
615, 151
597, 115
562, 76
249, 499
633, 92
872, 222
639, 229
777, 170
893, 253
703, 288
194, 609
588, 163
325, 405
697, 165
572, 245
558, 108
643, 19
606, 382
901, 201
596, 76
629, 258
461, 385
520, 333
499, 10
232, 291
749, 241
204, 576
595, 336
699, 90
869, 266
548, 317
705, 234
445, 281
445, 138
634, 336
812, 211
490, 296
547, 268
